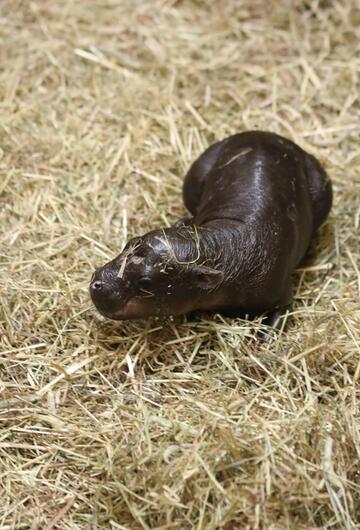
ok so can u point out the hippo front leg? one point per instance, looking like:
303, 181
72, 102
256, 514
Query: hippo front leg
275, 317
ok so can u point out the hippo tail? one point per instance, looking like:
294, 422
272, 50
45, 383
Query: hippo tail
320, 189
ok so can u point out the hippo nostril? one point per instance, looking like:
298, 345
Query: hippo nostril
96, 285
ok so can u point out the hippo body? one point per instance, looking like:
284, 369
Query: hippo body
256, 200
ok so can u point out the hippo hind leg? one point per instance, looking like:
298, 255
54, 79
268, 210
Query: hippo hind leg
196, 177
320, 190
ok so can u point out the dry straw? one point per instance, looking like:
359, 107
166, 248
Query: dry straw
187, 425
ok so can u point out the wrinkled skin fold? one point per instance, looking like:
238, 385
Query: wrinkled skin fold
255, 200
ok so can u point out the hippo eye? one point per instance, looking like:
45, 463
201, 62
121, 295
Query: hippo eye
144, 282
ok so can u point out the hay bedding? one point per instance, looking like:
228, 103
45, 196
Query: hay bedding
183, 424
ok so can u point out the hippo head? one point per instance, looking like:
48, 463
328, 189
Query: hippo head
159, 274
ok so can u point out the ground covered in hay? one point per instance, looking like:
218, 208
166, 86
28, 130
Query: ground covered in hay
180, 424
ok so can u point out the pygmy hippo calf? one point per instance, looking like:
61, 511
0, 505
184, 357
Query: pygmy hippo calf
256, 199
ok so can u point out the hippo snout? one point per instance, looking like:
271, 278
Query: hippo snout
107, 291
102, 280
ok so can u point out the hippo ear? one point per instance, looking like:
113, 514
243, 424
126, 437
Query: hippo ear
206, 277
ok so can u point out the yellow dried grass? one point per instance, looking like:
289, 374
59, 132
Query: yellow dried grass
187, 424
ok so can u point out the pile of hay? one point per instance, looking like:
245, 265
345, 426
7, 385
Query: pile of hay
180, 425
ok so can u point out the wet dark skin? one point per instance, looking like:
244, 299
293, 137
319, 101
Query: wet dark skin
256, 200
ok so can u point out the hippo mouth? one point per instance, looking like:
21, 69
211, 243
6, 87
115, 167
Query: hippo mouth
132, 309
113, 298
